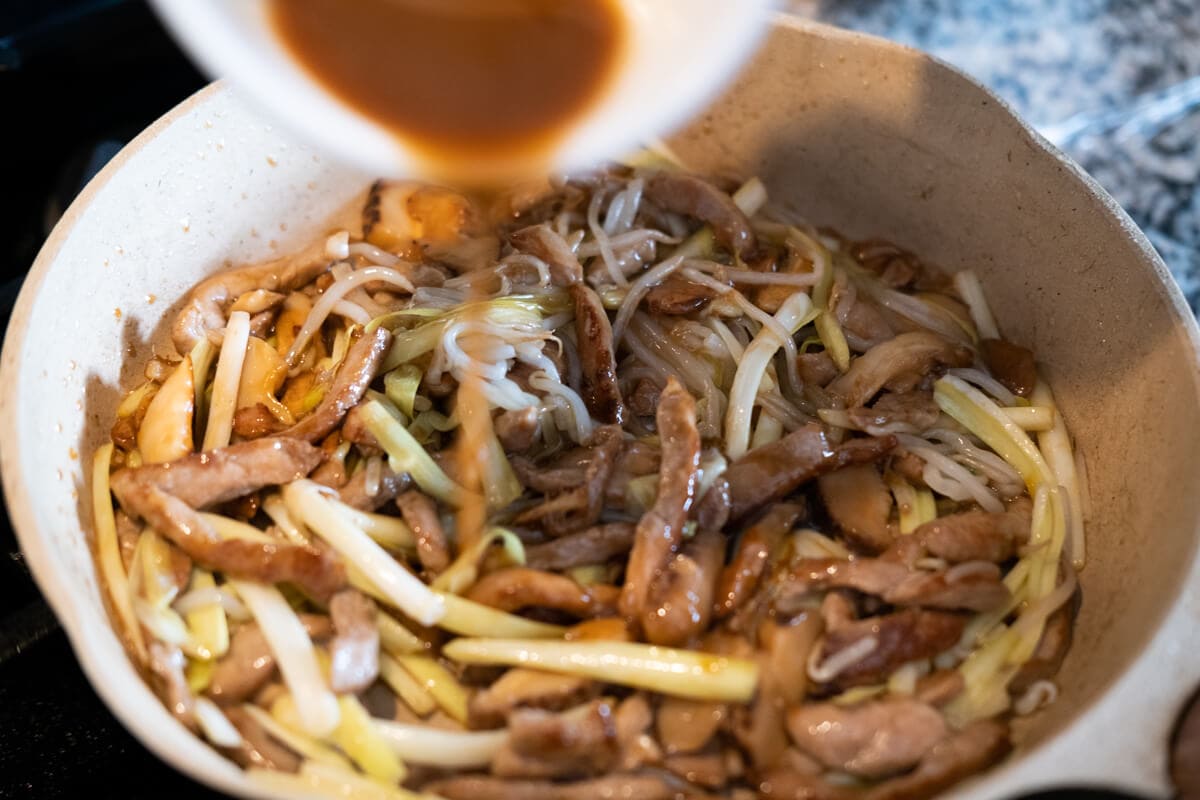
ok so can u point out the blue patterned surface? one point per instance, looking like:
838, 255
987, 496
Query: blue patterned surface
1115, 83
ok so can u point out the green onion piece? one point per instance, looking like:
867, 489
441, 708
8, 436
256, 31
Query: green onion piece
976, 412
679, 673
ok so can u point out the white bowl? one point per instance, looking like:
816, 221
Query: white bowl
854, 132
679, 54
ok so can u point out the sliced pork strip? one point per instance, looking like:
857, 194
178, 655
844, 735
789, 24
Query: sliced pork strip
974, 748
975, 586
578, 499
1010, 364
712, 511
354, 651
597, 356
578, 742
677, 296
249, 663
255, 422
420, 513
873, 740
680, 602
772, 471
940, 687
897, 412
697, 198
594, 545
391, 484
517, 429
975, 535
906, 358
515, 588
899, 637
526, 688
660, 529
166, 667
217, 476
317, 571
859, 502
544, 243
740, 578
350, 383
204, 308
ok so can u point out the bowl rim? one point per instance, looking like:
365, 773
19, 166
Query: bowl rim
68, 605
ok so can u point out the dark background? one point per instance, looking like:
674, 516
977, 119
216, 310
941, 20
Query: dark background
79, 78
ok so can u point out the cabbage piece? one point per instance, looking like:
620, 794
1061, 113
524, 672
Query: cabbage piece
406, 454
108, 553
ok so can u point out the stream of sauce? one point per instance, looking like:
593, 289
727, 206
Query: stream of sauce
475, 80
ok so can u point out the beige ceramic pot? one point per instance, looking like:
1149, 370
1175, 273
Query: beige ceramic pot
853, 132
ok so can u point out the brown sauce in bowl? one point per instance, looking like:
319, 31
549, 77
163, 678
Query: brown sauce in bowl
497, 80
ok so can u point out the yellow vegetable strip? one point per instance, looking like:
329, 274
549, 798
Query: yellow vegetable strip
307, 501
208, 624
468, 618
439, 682
287, 730
971, 291
395, 638
108, 551
407, 688
1031, 418
357, 737
1056, 448
679, 673
981, 416
422, 744
462, 574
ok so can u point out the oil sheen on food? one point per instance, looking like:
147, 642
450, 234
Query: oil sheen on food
497, 80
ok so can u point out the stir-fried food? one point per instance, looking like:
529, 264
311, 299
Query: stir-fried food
622, 485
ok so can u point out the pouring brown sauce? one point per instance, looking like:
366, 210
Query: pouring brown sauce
497, 80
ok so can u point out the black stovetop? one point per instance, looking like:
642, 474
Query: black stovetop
78, 79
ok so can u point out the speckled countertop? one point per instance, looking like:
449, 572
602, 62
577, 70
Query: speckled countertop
1114, 83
